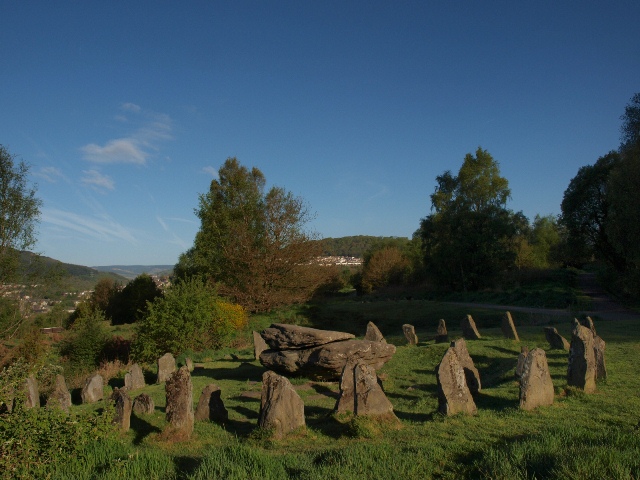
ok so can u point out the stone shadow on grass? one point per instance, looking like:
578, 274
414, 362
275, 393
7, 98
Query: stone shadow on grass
244, 371
247, 412
186, 466
418, 417
142, 428
488, 402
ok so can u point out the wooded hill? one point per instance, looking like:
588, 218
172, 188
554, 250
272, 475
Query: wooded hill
350, 246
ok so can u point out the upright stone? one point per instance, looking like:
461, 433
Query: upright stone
189, 364
166, 367
60, 397
442, 336
134, 378
374, 334
598, 352
370, 400
32, 395
123, 406
536, 387
410, 334
468, 327
211, 406
556, 341
93, 389
259, 345
281, 408
179, 409
588, 322
453, 394
471, 373
582, 363
143, 404
508, 327
346, 401
524, 351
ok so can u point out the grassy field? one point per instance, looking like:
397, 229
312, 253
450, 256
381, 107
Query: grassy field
580, 436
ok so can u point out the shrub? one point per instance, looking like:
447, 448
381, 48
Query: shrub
87, 340
189, 316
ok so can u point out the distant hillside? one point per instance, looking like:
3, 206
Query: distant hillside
132, 271
350, 246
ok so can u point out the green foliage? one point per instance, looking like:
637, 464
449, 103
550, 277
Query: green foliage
252, 243
87, 339
190, 315
129, 304
354, 246
383, 267
19, 212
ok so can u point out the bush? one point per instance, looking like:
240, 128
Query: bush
189, 316
86, 342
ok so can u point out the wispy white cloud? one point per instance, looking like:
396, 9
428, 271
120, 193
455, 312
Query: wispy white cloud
175, 238
50, 174
380, 190
211, 171
134, 148
98, 227
97, 180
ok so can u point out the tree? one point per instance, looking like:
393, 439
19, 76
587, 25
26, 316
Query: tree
471, 237
630, 128
19, 213
385, 266
585, 212
253, 244
130, 304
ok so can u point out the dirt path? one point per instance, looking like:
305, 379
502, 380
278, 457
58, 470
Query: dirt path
603, 306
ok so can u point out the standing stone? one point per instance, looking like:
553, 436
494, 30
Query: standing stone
453, 394
374, 334
122, 416
442, 336
582, 363
410, 334
60, 397
259, 345
508, 328
524, 351
536, 387
32, 395
588, 322
143, 404
598, 352
468, 327
179, 410
210, 405
370, 400
189, 364
281, 408
346, 401
471, 373
166, 367
556, 341
93, 390
134, 378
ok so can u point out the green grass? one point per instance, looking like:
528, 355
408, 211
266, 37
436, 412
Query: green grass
580, 436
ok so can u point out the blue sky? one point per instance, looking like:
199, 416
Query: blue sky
126, 110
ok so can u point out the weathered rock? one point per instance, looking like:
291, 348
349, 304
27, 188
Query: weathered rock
123, 405
370, 399
134, 378
588, 322
346, 400
166, 367
281, 336
374, 334
508, 327
281, 408
471, 373
32, 395
453, 394
468, 327
598, 352
143, 404
410, 334
259, 345
179, 409
93, 389
556, 341
442, 336
582, 363
188, 363
60, 397
536, 387
524, 351
327, 361
211, 406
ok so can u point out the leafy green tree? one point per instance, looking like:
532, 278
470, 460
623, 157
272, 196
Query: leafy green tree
471, 237
87, 339
129, 304
585, 213
252, 243
630, 128
19, 213
189, 316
